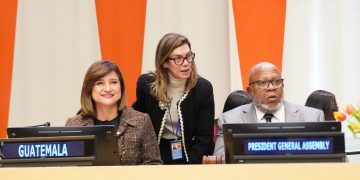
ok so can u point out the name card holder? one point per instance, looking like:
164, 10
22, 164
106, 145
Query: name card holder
48, 151
286, 147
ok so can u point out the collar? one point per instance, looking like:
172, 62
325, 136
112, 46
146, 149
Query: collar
125, 117
279, 115
176, 83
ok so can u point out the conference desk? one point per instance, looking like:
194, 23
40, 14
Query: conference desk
174, 172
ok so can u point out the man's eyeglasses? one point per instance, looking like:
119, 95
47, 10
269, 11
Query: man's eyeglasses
276, 83
179, 60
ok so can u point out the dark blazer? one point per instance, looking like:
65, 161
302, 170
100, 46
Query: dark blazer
197, 110
137, 141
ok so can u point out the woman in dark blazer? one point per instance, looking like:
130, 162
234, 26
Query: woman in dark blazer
180, 103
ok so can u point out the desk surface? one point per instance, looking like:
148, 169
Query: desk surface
174, 172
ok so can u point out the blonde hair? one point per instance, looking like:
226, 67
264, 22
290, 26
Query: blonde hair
166, 45
95, 72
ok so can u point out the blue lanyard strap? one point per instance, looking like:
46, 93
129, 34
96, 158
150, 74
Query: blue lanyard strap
172, 126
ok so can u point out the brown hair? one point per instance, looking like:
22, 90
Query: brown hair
166, 45
95, 72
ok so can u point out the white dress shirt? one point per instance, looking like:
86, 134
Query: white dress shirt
279, 115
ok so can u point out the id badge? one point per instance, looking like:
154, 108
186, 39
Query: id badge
176, 149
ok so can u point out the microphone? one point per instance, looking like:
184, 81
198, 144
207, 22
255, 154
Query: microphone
46, 124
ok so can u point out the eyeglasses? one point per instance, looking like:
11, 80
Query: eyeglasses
179, 60
276, 83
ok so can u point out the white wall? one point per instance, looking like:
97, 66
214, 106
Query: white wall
322, 49
56, 41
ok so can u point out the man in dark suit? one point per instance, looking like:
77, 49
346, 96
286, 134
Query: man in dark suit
266, 90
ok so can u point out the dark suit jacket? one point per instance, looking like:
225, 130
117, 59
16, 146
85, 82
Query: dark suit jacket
137, 141
197, 110
247, 114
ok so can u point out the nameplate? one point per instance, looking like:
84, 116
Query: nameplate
283, 146
51, 149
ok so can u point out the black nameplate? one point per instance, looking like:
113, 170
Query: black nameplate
51, 149
283, 146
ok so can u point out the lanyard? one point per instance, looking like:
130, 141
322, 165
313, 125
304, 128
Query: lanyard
178, 122
172, 126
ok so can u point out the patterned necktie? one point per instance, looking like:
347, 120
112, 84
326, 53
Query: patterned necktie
268, 117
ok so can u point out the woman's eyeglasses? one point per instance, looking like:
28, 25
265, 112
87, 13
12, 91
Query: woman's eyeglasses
179, 60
